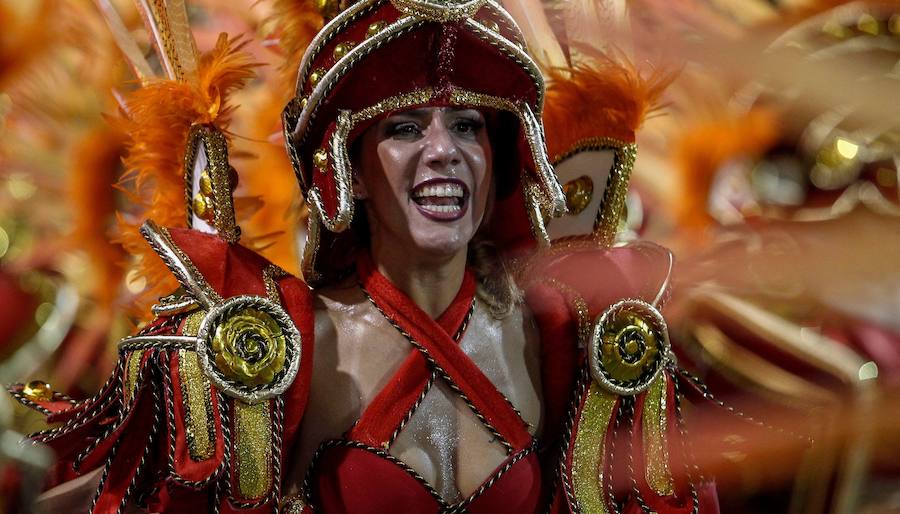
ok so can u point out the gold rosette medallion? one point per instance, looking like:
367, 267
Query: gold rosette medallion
629, 346
249, 347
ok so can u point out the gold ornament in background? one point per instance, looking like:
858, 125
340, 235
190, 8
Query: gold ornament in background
578, 193
328, 8
249, 347
38, 390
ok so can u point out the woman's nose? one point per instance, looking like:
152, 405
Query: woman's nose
441, 149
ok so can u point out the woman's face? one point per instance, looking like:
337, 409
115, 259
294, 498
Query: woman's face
426, 177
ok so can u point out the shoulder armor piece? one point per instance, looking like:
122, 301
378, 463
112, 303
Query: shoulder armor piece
205, 399
623, 443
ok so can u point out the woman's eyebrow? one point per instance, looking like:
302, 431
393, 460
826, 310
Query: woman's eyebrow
412, 113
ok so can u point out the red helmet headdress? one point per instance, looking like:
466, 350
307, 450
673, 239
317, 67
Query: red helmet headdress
380, 56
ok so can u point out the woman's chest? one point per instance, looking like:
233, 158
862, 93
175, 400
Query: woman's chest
361, 358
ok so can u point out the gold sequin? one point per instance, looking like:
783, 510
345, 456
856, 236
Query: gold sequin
205, 182
316, 76
588, 457
656, 450
393, 103
868, 24
253, 446
293, 505
491, 25
37, 390
198, 416
341, 50
375, 28
320, 159
578, 193
203, 206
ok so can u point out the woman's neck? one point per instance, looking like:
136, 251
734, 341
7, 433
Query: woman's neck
431, 283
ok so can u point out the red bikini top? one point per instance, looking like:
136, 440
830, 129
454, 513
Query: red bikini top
357, 475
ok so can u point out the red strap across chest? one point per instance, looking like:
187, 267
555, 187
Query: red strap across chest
435, 342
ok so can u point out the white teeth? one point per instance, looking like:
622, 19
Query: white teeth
442, 208
441, 191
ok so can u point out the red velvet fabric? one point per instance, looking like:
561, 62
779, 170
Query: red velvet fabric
358, 481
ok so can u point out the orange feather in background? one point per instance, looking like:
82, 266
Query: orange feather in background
96, 161
158, 119
705, 147
296, 24
613, 95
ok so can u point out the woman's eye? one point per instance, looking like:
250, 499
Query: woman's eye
406, 129
466, 127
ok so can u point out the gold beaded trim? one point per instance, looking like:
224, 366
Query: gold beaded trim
271, 274
536, 214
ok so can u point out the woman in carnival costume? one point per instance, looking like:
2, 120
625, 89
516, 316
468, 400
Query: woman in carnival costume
442, 355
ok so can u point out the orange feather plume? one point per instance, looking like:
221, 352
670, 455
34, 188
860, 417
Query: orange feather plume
607, 97
158, 119
705, 147
296, 23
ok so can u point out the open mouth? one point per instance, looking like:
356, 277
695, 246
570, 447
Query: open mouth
441, 199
